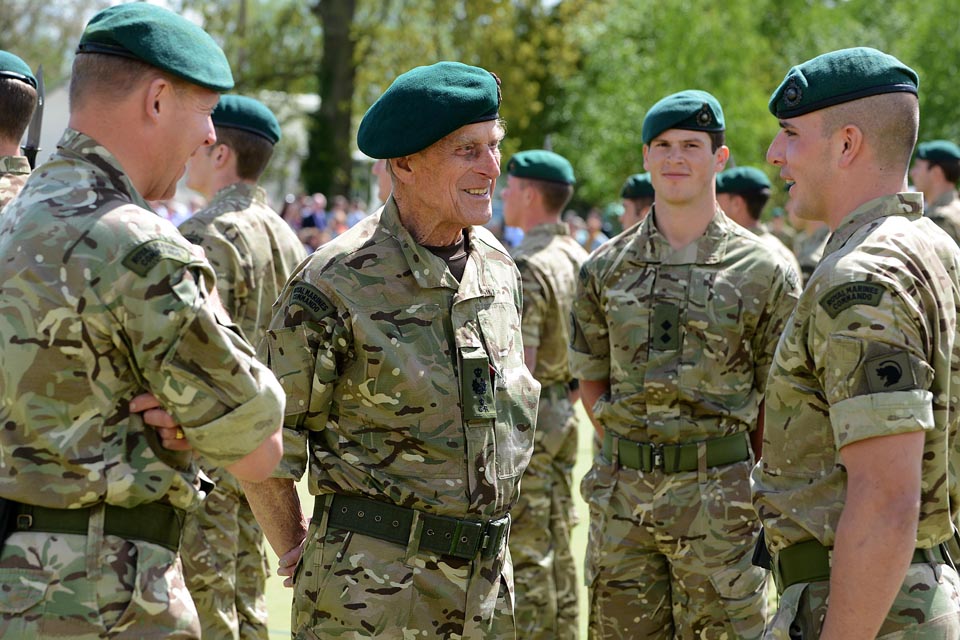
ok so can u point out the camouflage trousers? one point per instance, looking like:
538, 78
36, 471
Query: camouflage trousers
926, 608
225, 564
544, 572
669, 555
354, 586
84, 587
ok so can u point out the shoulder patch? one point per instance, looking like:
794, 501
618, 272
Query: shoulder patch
890, 372
851, 294
146, 256
307, 296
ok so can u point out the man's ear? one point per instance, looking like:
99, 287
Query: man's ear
157, 98
221, 155
403, 168
850, 140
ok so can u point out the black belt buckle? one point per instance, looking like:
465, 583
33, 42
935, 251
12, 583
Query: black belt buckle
497, 530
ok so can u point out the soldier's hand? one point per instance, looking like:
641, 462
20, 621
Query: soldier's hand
171, 435
287, 564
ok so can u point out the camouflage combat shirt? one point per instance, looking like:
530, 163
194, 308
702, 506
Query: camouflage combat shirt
101, 299
549, 259
685, 337
870, 351
808, 248
14, 171
945, 212
252, 250
781, 249
402, 383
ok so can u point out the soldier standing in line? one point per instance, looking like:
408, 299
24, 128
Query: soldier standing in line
101, 302
539, 185
637, 195
742, 193
857, 488
18, 99
253, 252
935, 173
674, 327
399, 346
808, 242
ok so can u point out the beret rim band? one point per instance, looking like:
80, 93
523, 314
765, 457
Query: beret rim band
13, 75
246, 129
902, 87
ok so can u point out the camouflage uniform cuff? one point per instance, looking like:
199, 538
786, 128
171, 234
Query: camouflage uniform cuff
588, 367
294, 462
881, 414
257, 415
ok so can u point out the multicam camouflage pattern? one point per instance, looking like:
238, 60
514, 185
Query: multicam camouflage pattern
14, 171
225, 567
253, 252
780, 249
685, 338
945, 212
409, 386
870, 351
549, 260
101, 299
670, 554
803, 608
808, 248
52, 588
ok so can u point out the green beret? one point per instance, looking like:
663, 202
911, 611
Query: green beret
247, 114
742, 179
840, 76
160, 38
692, 110
938, 151
12, 66
425, 104
637, 186
541, 165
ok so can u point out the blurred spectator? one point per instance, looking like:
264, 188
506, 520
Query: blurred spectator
314, 213
358, 211
592, 236
313, 238
291, 211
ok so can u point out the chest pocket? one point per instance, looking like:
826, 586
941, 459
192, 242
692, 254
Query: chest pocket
404, 383
629, 308
716, 351
515, 391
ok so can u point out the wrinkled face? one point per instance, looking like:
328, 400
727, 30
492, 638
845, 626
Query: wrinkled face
802, 153
682, 167
920, 174
188, 126
513, 201
455, 176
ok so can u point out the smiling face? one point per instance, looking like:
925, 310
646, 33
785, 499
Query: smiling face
455, 176
801, 151
682, 166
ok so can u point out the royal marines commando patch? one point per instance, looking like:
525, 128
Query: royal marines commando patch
146, 256
311, 300
849, 295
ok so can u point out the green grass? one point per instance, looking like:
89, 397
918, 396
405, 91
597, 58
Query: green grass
279, 598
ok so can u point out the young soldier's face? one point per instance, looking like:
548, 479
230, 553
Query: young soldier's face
682, 166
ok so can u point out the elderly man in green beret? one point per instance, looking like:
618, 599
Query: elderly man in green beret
674, 326
857, 488
103, 301
539, 185
637, 195
253, 252
742, 193
400, 349
18, 100
935, 173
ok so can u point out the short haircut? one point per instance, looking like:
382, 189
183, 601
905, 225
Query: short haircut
555, 195
253, 151
889, 123
111, 77
18, 100
756, 200
717, 140
950, 168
